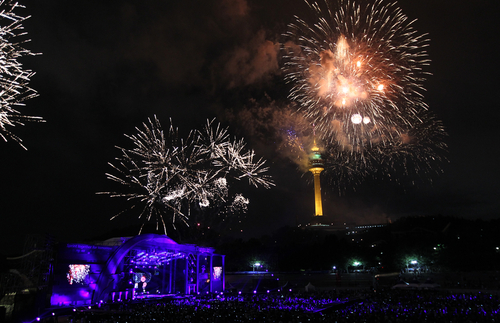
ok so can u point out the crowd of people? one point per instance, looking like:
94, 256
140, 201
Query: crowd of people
390, 306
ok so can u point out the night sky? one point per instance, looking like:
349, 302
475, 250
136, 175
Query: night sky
107, 66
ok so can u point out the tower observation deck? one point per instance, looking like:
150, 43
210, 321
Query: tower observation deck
316, 166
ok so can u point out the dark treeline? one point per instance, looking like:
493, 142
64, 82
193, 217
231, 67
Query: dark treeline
437, 243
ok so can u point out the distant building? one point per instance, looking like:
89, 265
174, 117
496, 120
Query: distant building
343, 229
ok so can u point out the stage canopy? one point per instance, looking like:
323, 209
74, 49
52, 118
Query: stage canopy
148, 265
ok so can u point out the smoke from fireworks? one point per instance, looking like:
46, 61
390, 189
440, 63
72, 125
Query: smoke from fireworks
357, 72
14, 89
173, 176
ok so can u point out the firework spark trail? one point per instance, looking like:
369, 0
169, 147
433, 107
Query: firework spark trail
357, 72
419, 150
14, 80
413, 152
171, 176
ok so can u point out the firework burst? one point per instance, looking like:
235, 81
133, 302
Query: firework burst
418, 150
171, 176
357, 71
14, 80
412, 153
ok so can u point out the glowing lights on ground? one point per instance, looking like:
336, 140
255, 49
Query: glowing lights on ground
256, 265
392, 304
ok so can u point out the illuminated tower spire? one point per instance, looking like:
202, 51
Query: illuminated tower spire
316, 166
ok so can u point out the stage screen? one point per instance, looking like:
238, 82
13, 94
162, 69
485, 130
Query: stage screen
217, 273
78, 274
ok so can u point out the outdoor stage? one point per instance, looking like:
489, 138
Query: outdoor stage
141, 267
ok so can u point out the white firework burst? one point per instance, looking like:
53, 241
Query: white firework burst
14, 79
172, 176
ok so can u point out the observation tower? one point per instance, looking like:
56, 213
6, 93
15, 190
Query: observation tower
316, 166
